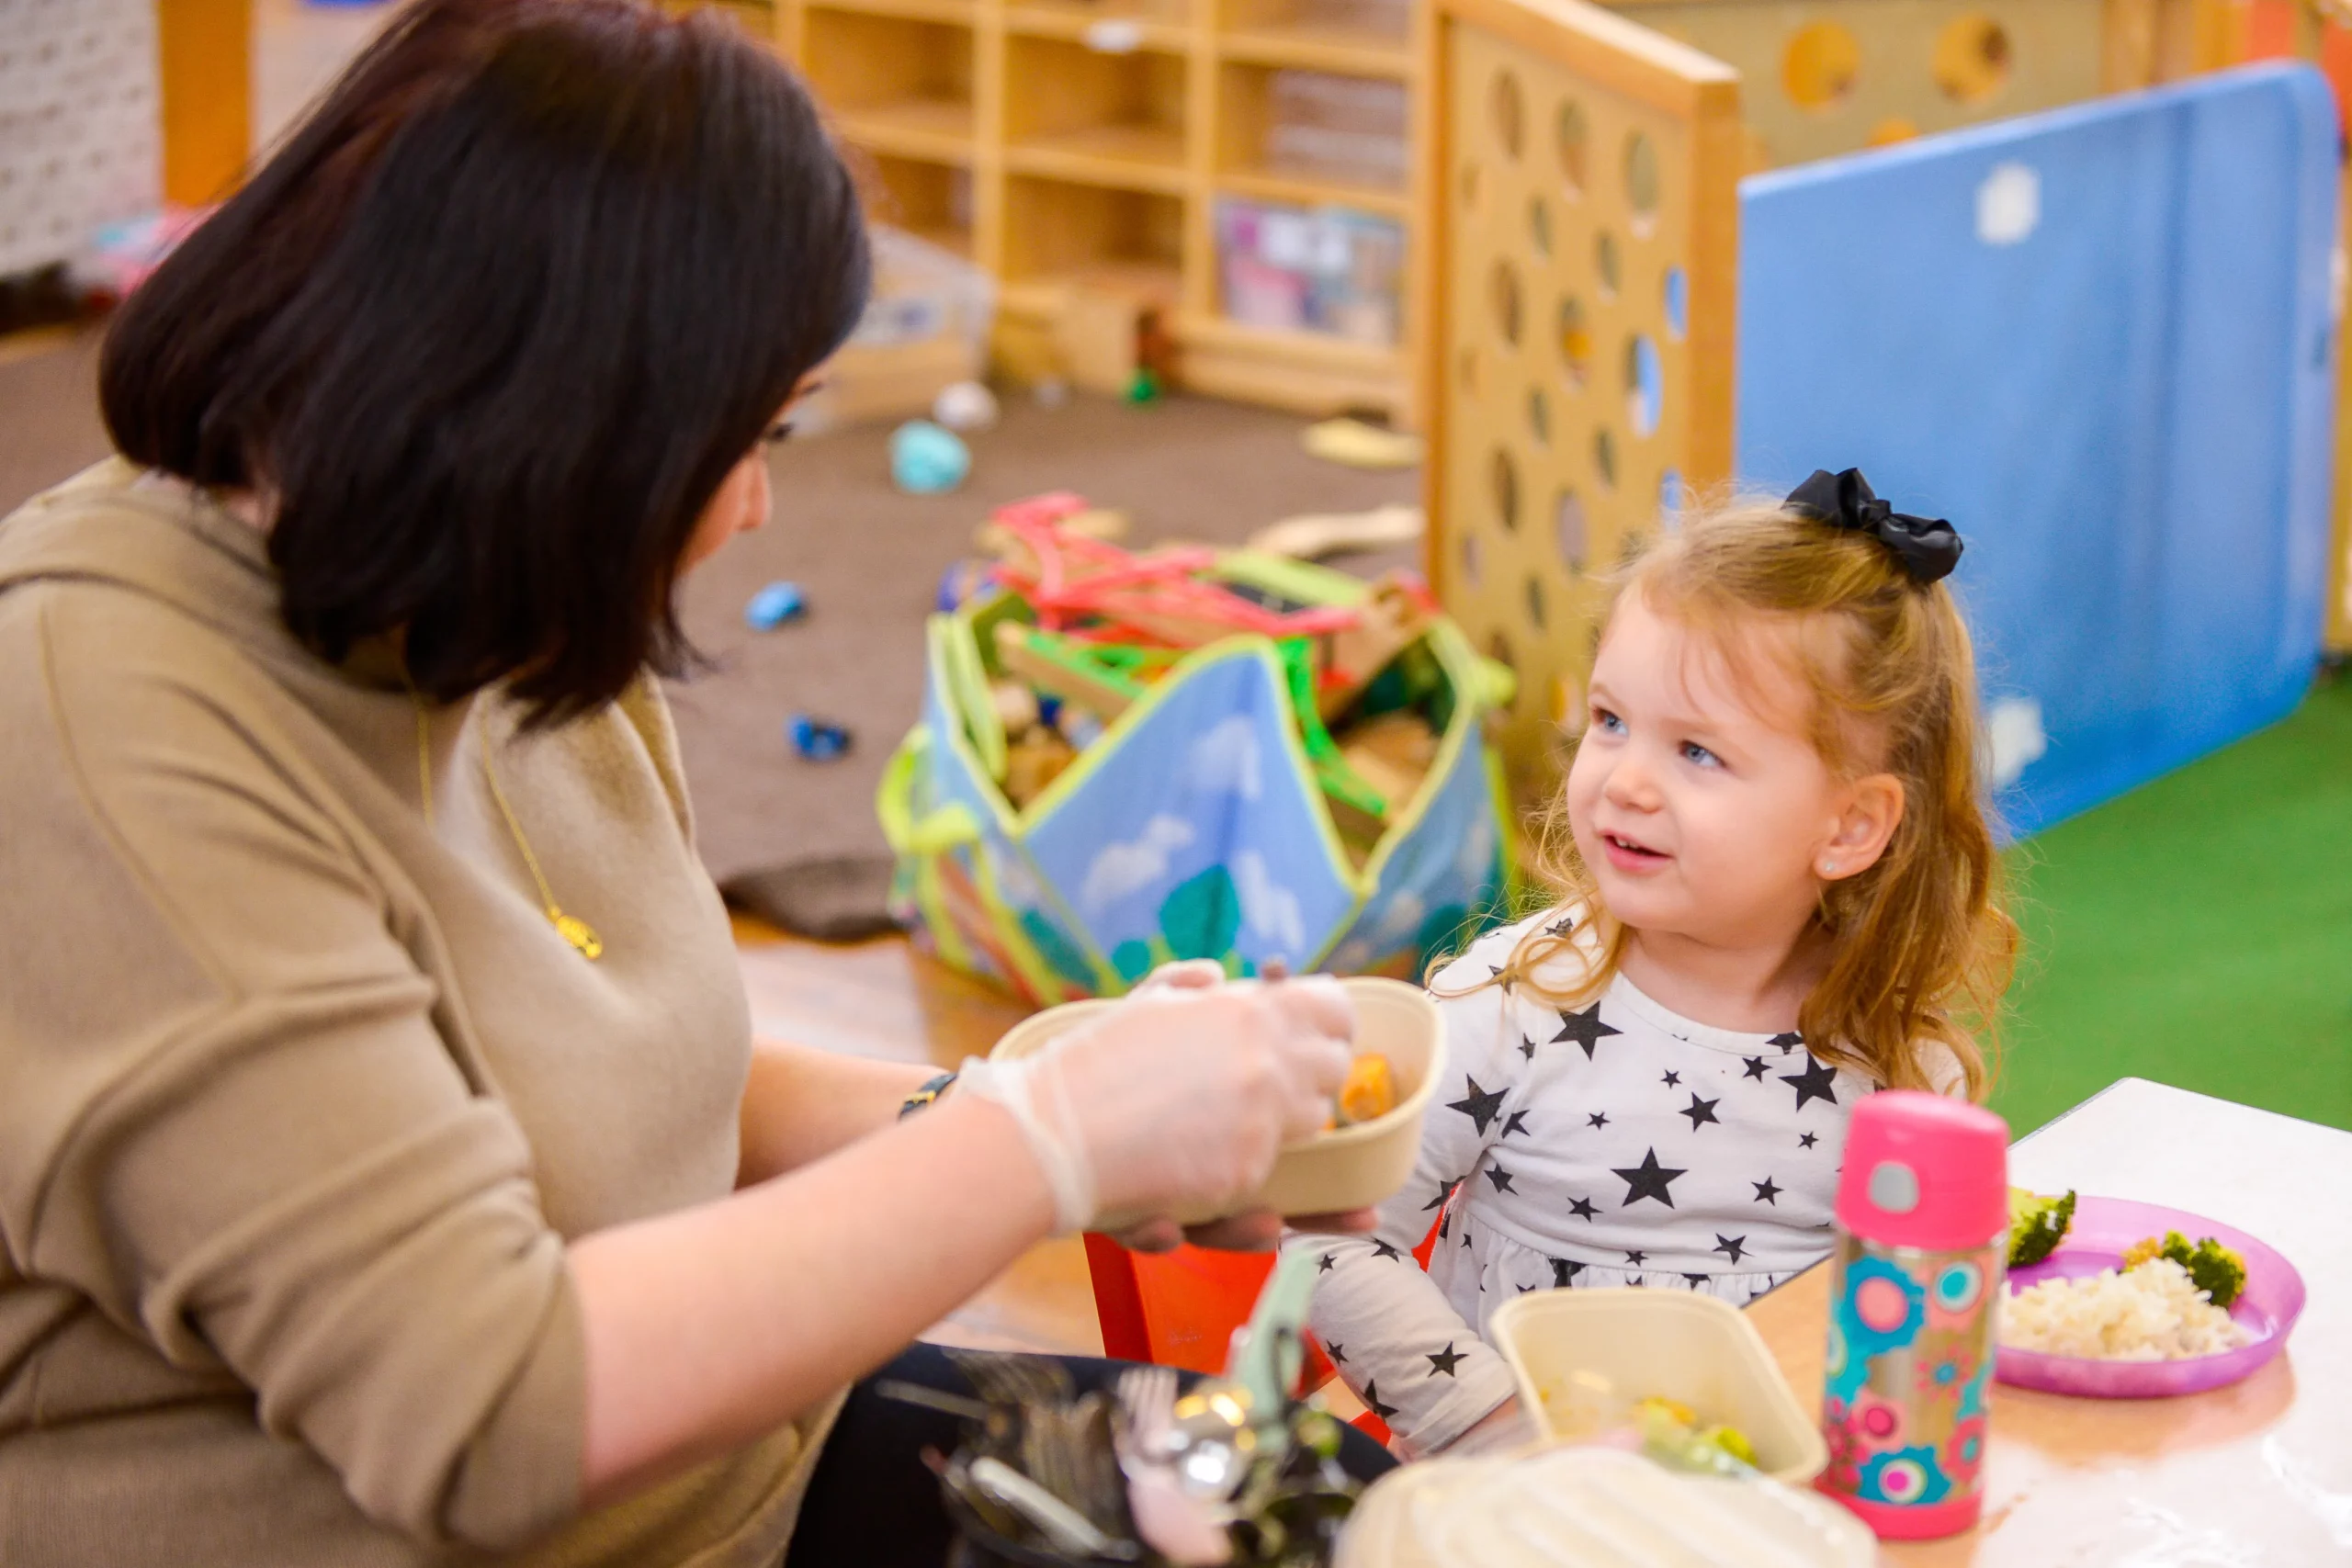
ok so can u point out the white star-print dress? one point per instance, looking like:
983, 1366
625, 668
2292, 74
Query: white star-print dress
1615, 1144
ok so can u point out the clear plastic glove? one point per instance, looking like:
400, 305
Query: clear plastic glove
1260, 1231
1181, 1096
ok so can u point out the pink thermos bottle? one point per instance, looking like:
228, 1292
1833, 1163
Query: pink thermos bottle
1922, 1241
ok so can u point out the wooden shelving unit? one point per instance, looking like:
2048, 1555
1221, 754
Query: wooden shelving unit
1077, 150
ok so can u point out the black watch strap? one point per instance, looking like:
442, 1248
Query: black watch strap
931, 1090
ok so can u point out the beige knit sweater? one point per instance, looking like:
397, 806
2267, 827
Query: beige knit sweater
301, 1094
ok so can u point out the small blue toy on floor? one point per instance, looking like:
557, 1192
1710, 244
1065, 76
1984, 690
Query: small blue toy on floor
774, 605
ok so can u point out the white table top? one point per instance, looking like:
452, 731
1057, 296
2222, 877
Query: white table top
2260, 1473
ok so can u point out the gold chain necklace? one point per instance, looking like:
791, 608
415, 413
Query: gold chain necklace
571, 928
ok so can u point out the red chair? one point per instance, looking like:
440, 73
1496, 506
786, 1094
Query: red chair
1179, 1308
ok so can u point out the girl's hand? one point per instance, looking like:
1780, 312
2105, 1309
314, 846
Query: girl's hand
1181, 1096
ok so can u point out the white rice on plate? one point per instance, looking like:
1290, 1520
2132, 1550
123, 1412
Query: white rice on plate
2152, 1312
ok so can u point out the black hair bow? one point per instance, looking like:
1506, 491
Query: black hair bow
1926, 546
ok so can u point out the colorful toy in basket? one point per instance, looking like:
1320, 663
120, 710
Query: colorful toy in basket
1128, 758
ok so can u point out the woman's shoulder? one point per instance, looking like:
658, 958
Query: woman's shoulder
635, 736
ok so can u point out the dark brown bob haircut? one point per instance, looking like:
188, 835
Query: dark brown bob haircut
489, 329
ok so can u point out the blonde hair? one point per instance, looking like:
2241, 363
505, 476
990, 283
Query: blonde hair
1921, 940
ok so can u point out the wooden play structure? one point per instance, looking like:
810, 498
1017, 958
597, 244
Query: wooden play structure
1579, 199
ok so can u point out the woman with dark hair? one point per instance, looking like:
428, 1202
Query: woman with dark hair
386, 1172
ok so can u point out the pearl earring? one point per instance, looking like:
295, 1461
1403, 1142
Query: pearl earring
1829, 868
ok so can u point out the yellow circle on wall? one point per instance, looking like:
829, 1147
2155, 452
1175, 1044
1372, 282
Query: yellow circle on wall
1972, 59
1820, 66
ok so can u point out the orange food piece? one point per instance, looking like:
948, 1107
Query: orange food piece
1370, 1091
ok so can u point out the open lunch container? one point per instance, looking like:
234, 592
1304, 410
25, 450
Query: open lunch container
1348, 1168
1664, 1344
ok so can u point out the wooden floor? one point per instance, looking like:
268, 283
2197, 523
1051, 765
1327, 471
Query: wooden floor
884, 999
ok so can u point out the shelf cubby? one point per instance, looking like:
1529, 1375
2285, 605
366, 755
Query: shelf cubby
1314, 136
1113, 25
961, 12
1116, 120
1368, 37
1060, 233
897, 84
931, 199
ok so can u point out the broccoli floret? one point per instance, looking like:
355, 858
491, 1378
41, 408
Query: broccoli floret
2037, 1224
2212, 1267
2218, 1272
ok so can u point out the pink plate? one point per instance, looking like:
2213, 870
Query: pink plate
2103, 1229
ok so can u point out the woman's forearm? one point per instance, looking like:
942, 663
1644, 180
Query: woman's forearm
710, 1327
802, 1104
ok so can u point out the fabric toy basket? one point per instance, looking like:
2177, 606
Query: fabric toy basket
1196, 824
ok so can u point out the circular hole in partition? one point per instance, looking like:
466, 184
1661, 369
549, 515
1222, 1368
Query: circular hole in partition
1645, 385
1510, 114
1971, 58
1568, 529
1890, 131
1539, 225
1471, 564
1499, 648
1502, 292
1674, 295
1642, 180
1604, 458
1567, 701
1535, 600
1671, 498
1820, 66
1569, 138
1576, 342
1606, 264
1539, 416
1502, 476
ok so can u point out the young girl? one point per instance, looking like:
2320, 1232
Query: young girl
1776, 884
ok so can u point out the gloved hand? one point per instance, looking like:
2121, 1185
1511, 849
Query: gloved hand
1178, 1098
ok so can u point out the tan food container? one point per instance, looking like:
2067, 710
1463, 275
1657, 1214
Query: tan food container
1663, 1344
1352, 1167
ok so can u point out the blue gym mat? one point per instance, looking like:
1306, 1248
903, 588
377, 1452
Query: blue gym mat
2098, 340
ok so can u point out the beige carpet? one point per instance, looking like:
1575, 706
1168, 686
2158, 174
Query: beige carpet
870, 560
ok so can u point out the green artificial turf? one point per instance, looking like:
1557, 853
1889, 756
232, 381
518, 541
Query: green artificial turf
2196, 932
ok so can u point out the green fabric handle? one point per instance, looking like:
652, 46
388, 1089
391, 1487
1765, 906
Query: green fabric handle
939, 830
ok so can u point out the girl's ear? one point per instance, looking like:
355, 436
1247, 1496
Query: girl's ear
1869, 814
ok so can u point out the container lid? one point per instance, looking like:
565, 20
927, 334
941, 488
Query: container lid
1924, 1170
1592, 1507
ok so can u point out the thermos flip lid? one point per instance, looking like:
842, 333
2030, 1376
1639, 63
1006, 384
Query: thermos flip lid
1924, 1170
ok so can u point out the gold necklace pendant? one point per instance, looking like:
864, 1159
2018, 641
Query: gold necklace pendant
578, 933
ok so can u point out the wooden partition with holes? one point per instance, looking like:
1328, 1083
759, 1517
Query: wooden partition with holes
1582, 205
1839, 75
